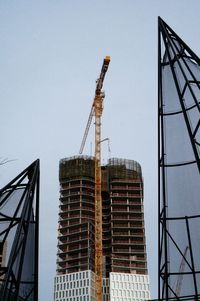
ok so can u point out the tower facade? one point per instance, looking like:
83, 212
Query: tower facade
124, 250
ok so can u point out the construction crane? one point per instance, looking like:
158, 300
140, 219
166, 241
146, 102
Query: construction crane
96, 110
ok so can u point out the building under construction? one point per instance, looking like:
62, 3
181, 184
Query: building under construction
124, 264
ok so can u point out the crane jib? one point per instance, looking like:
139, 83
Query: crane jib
99, 85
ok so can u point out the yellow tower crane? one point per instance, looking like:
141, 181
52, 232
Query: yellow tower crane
96, 110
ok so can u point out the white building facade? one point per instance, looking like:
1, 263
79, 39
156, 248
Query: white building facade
80, 286
129, 287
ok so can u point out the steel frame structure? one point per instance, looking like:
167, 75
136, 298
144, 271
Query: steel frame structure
173, 50
19, 225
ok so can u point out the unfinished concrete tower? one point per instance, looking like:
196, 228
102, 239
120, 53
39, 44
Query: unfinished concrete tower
124, 250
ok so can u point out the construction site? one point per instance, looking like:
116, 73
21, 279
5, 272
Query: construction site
123, 238
101, 244
101, 221
101, 218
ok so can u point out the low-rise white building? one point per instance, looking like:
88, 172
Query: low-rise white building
80, 286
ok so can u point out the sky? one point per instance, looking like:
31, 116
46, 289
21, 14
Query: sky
50, 57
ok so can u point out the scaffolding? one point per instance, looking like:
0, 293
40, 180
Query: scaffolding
124, 247
76, 215
124, 168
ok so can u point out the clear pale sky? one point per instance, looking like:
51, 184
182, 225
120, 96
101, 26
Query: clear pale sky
51, 54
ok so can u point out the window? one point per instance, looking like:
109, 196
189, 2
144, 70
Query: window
147, 295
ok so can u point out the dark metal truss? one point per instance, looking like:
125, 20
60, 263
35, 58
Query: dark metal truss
19, 233
178, 57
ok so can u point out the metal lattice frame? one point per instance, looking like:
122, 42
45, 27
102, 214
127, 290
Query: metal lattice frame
174, 53
19, 234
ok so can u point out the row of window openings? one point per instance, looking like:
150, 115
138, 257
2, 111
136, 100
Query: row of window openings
115, 292
131, 278
72, 293
72, 277
81, 298
130, 294
58, 297
131, 286
126, 299
71, 285
114, 210
74, 197
91, 186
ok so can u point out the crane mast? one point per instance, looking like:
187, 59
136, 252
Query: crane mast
96, 110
